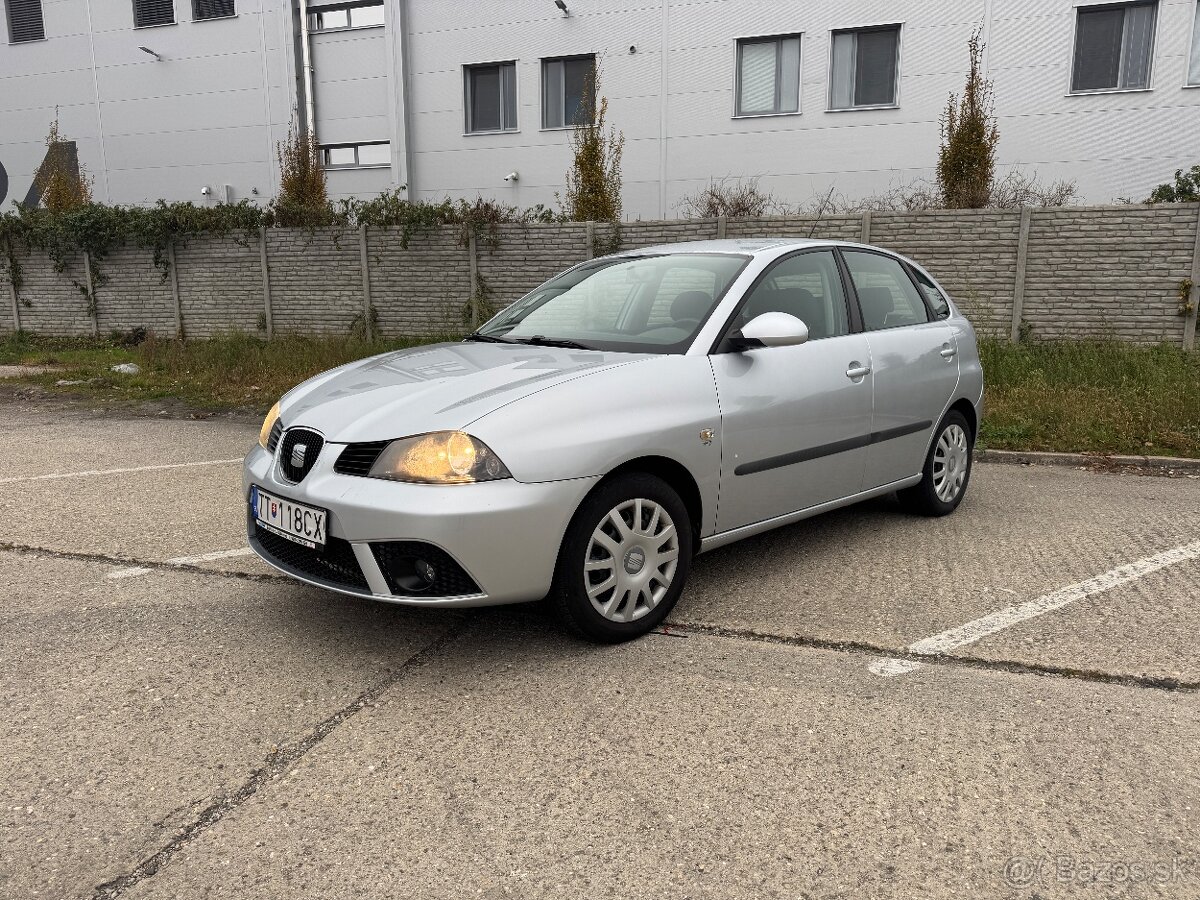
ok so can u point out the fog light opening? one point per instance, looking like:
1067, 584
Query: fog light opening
413, 574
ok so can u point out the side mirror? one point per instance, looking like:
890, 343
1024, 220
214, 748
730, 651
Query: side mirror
773, 329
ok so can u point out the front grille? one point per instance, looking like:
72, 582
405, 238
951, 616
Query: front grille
294, 462
273, 437
400, 563
357, 459
336, 564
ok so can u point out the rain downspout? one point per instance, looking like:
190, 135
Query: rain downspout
310, 106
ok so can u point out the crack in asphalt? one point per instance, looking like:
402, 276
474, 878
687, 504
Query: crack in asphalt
1147, 682
125, 561
865, 648
275, 764
281, 759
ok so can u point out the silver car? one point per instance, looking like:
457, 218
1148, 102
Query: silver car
587, 442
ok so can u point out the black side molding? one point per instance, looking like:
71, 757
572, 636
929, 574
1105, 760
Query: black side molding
811, 453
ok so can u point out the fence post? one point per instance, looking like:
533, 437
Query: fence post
1189, 324
266, 278
93, 305
16, 305
1018, 307
175, 290
722, 225
591, 239
866, 226
12, 288
368, 328
474, 261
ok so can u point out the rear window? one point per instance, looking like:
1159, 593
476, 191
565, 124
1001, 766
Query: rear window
886, 294
937, 300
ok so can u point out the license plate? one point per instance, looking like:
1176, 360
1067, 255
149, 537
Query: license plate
286, 518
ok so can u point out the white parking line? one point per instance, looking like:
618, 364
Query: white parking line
1013, 615
209, 557
131, 571
94, 472
128, 573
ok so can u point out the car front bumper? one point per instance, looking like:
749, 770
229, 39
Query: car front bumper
504, 535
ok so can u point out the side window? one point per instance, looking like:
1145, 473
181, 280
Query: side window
937, 301
885, 292
806, 286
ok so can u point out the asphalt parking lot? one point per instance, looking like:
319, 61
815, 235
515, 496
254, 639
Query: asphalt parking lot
1002, 703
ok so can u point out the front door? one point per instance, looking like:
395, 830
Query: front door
795, 421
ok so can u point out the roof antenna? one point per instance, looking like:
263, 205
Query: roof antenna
821, 211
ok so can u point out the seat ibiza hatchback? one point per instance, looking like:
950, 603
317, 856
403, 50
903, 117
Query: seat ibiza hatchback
638, 409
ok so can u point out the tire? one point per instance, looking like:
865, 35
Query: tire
938, 493
646, 559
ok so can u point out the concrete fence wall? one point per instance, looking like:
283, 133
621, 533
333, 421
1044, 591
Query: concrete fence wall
1112, 272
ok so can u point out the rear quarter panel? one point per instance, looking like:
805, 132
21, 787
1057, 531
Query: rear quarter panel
970, 369
591, 425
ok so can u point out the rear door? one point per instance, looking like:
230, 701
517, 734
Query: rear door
914, 362
795, 421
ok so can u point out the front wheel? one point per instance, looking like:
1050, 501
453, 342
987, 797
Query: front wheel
947, 470
624, 559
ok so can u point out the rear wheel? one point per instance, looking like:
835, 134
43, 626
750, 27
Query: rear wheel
624, 560
947, 470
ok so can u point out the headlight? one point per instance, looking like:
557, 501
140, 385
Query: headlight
443, 457
264, 433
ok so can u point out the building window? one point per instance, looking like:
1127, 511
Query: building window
768, 75
366, 14
25, 21
1194, 65
148, 13
865, 66
212, 9
566, 84
1113, 46
376, 154
490, 94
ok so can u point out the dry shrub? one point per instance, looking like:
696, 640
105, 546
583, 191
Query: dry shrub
915, 195
735, 198
1012, 191
1017, 189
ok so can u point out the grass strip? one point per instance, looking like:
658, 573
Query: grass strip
1101, 397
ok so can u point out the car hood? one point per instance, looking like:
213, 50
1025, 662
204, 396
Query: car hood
433, 388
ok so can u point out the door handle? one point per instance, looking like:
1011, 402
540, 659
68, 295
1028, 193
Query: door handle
857, 371
948, 351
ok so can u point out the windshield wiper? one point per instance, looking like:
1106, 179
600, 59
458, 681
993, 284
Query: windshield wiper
540, 340
487, 338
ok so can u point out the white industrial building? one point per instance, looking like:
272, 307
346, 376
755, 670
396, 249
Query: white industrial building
186, 99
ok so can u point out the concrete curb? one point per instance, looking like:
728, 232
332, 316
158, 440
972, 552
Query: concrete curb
1093, 460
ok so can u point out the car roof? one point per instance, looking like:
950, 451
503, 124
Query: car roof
746, 246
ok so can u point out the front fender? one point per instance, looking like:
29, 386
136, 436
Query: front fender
660, 406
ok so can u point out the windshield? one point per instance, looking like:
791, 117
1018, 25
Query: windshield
648, 304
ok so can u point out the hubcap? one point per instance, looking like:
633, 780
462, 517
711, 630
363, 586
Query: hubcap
631, 560
951, 459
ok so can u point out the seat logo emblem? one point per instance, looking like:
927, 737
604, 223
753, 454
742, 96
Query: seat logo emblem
298, 455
